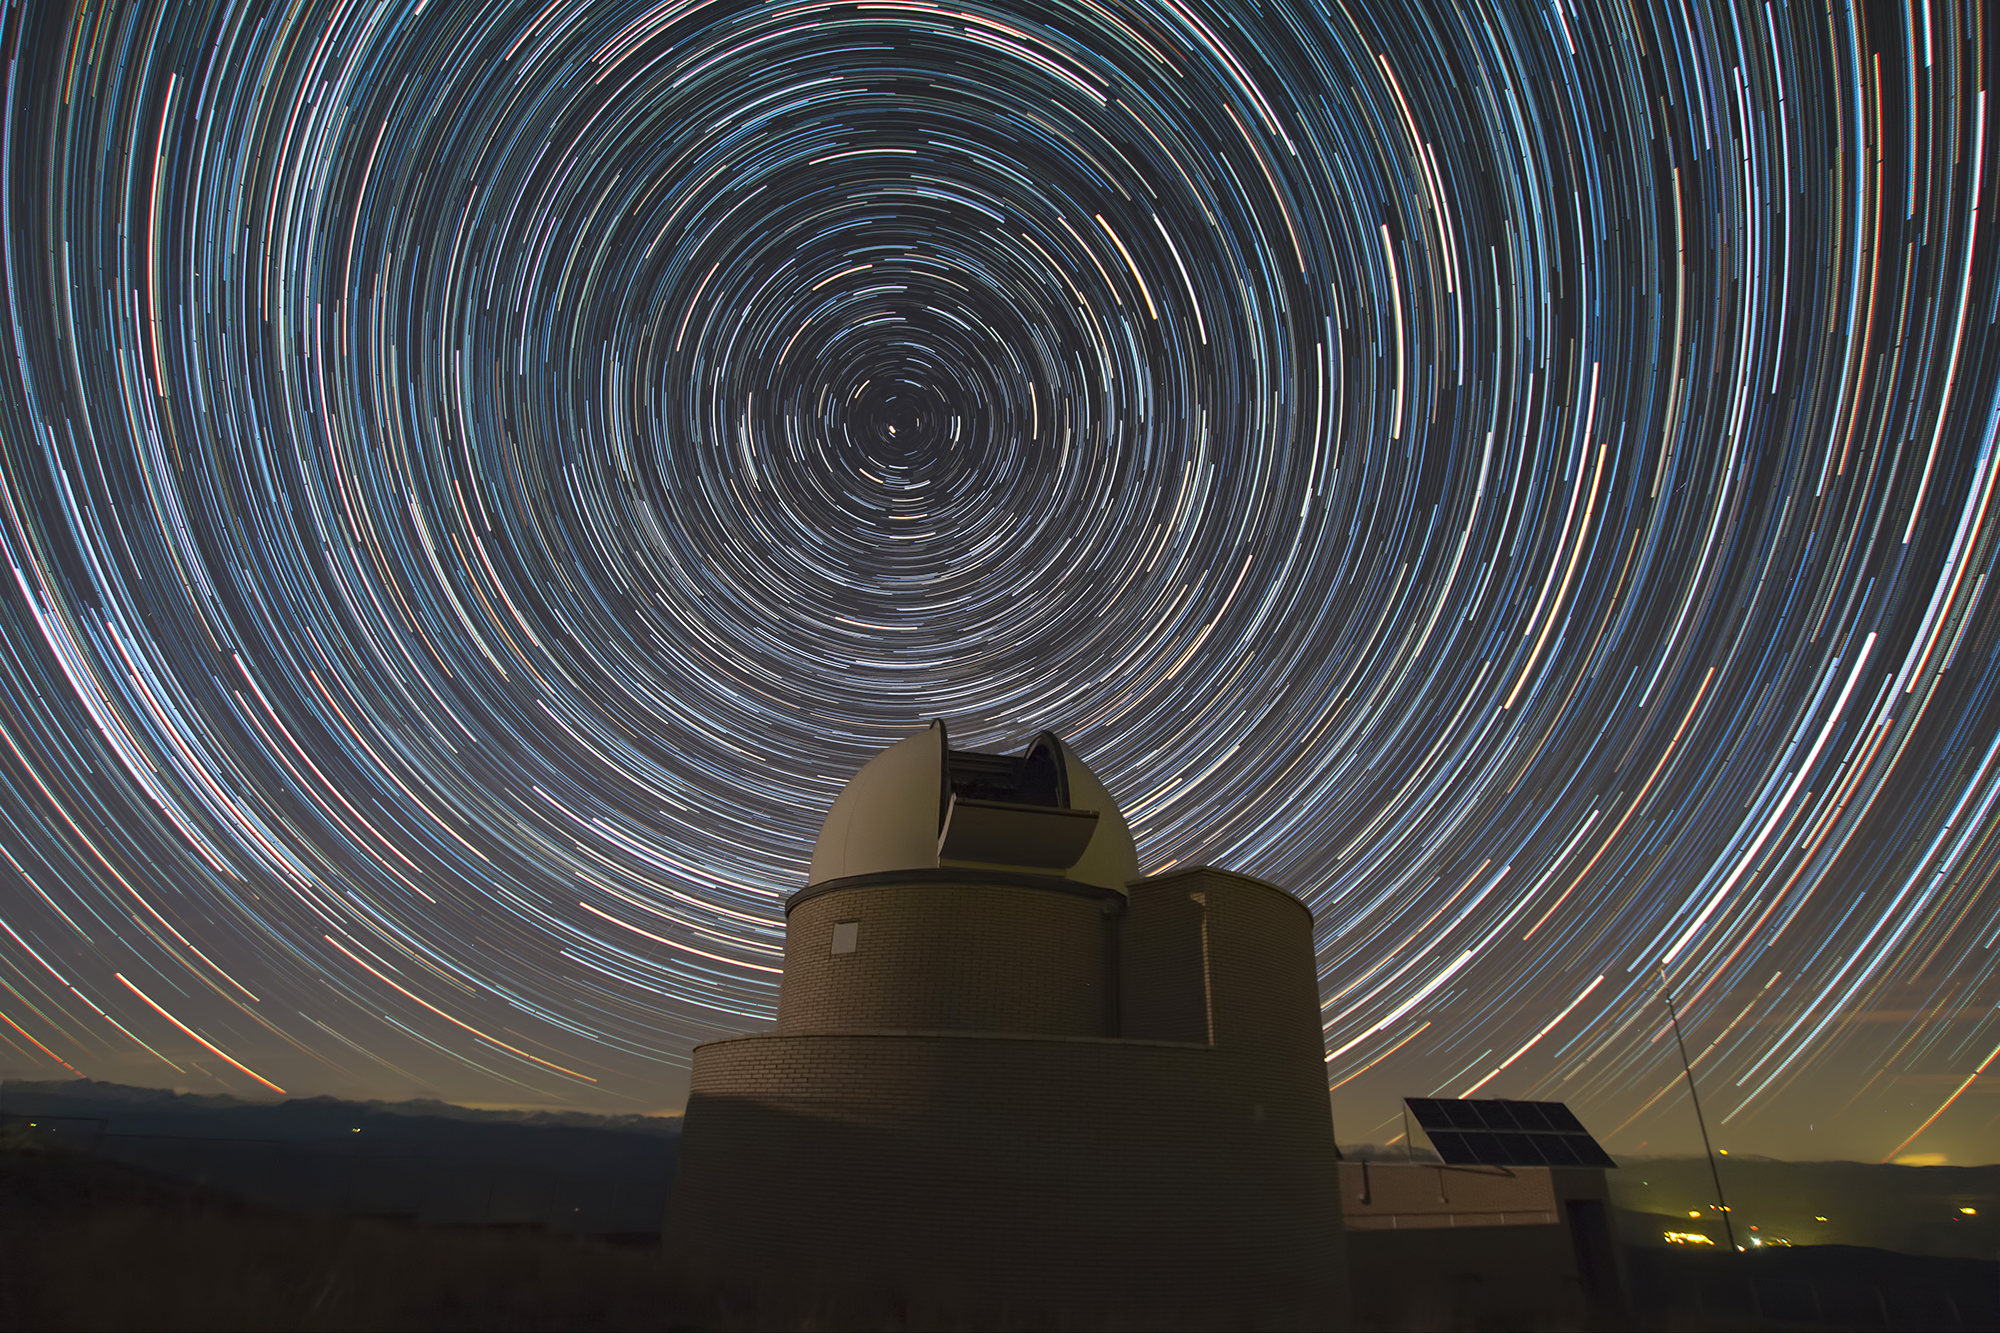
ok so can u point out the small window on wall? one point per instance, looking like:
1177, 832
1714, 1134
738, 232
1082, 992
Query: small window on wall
845, 934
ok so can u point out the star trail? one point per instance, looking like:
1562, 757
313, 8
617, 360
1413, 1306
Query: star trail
479, 477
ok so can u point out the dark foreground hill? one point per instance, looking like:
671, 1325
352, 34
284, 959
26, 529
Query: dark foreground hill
87, 1243
92, 1244
1810, 1287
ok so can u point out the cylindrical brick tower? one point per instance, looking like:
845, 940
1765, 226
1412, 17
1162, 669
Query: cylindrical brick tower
1012, 1077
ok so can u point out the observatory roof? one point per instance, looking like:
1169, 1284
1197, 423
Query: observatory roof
920, 805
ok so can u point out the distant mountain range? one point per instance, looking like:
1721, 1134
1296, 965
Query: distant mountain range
1949, 1211
427, 1161
85, 1096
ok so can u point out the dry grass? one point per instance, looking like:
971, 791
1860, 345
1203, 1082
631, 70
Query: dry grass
91, 1244
87, 1244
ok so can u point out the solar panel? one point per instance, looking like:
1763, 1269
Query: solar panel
1495, 1132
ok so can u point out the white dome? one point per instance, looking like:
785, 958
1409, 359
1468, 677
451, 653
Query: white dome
895, 812
885, 818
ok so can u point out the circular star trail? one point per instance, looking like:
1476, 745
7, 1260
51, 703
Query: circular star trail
479, 477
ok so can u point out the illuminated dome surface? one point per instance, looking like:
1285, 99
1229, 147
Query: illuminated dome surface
894, 814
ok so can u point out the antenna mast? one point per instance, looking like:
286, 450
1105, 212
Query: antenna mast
1721, 1204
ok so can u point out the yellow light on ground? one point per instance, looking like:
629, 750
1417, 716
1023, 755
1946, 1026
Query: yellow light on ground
1686, 1238
1970, 1212
1694, 1212
1818, 1218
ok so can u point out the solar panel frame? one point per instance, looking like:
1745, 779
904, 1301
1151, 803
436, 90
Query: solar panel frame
1500, 1132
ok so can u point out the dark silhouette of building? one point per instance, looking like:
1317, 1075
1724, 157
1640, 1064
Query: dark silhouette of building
1010, 1072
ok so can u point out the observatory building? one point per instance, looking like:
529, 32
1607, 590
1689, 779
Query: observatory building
1009, 1071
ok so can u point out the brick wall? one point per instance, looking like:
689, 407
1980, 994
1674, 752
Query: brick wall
1078, 1176
1162, 972
1475, 1277
1392, 1196
1206, 951
1477, 1246
944, 1109
981, 957
1265, 975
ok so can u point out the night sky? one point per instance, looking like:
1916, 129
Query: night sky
479, 477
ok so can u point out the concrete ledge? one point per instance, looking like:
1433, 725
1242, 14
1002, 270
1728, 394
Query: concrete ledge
949, 1035
946, 879
1166, 878
1445, 1221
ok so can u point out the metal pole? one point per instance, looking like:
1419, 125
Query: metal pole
1721, 1204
